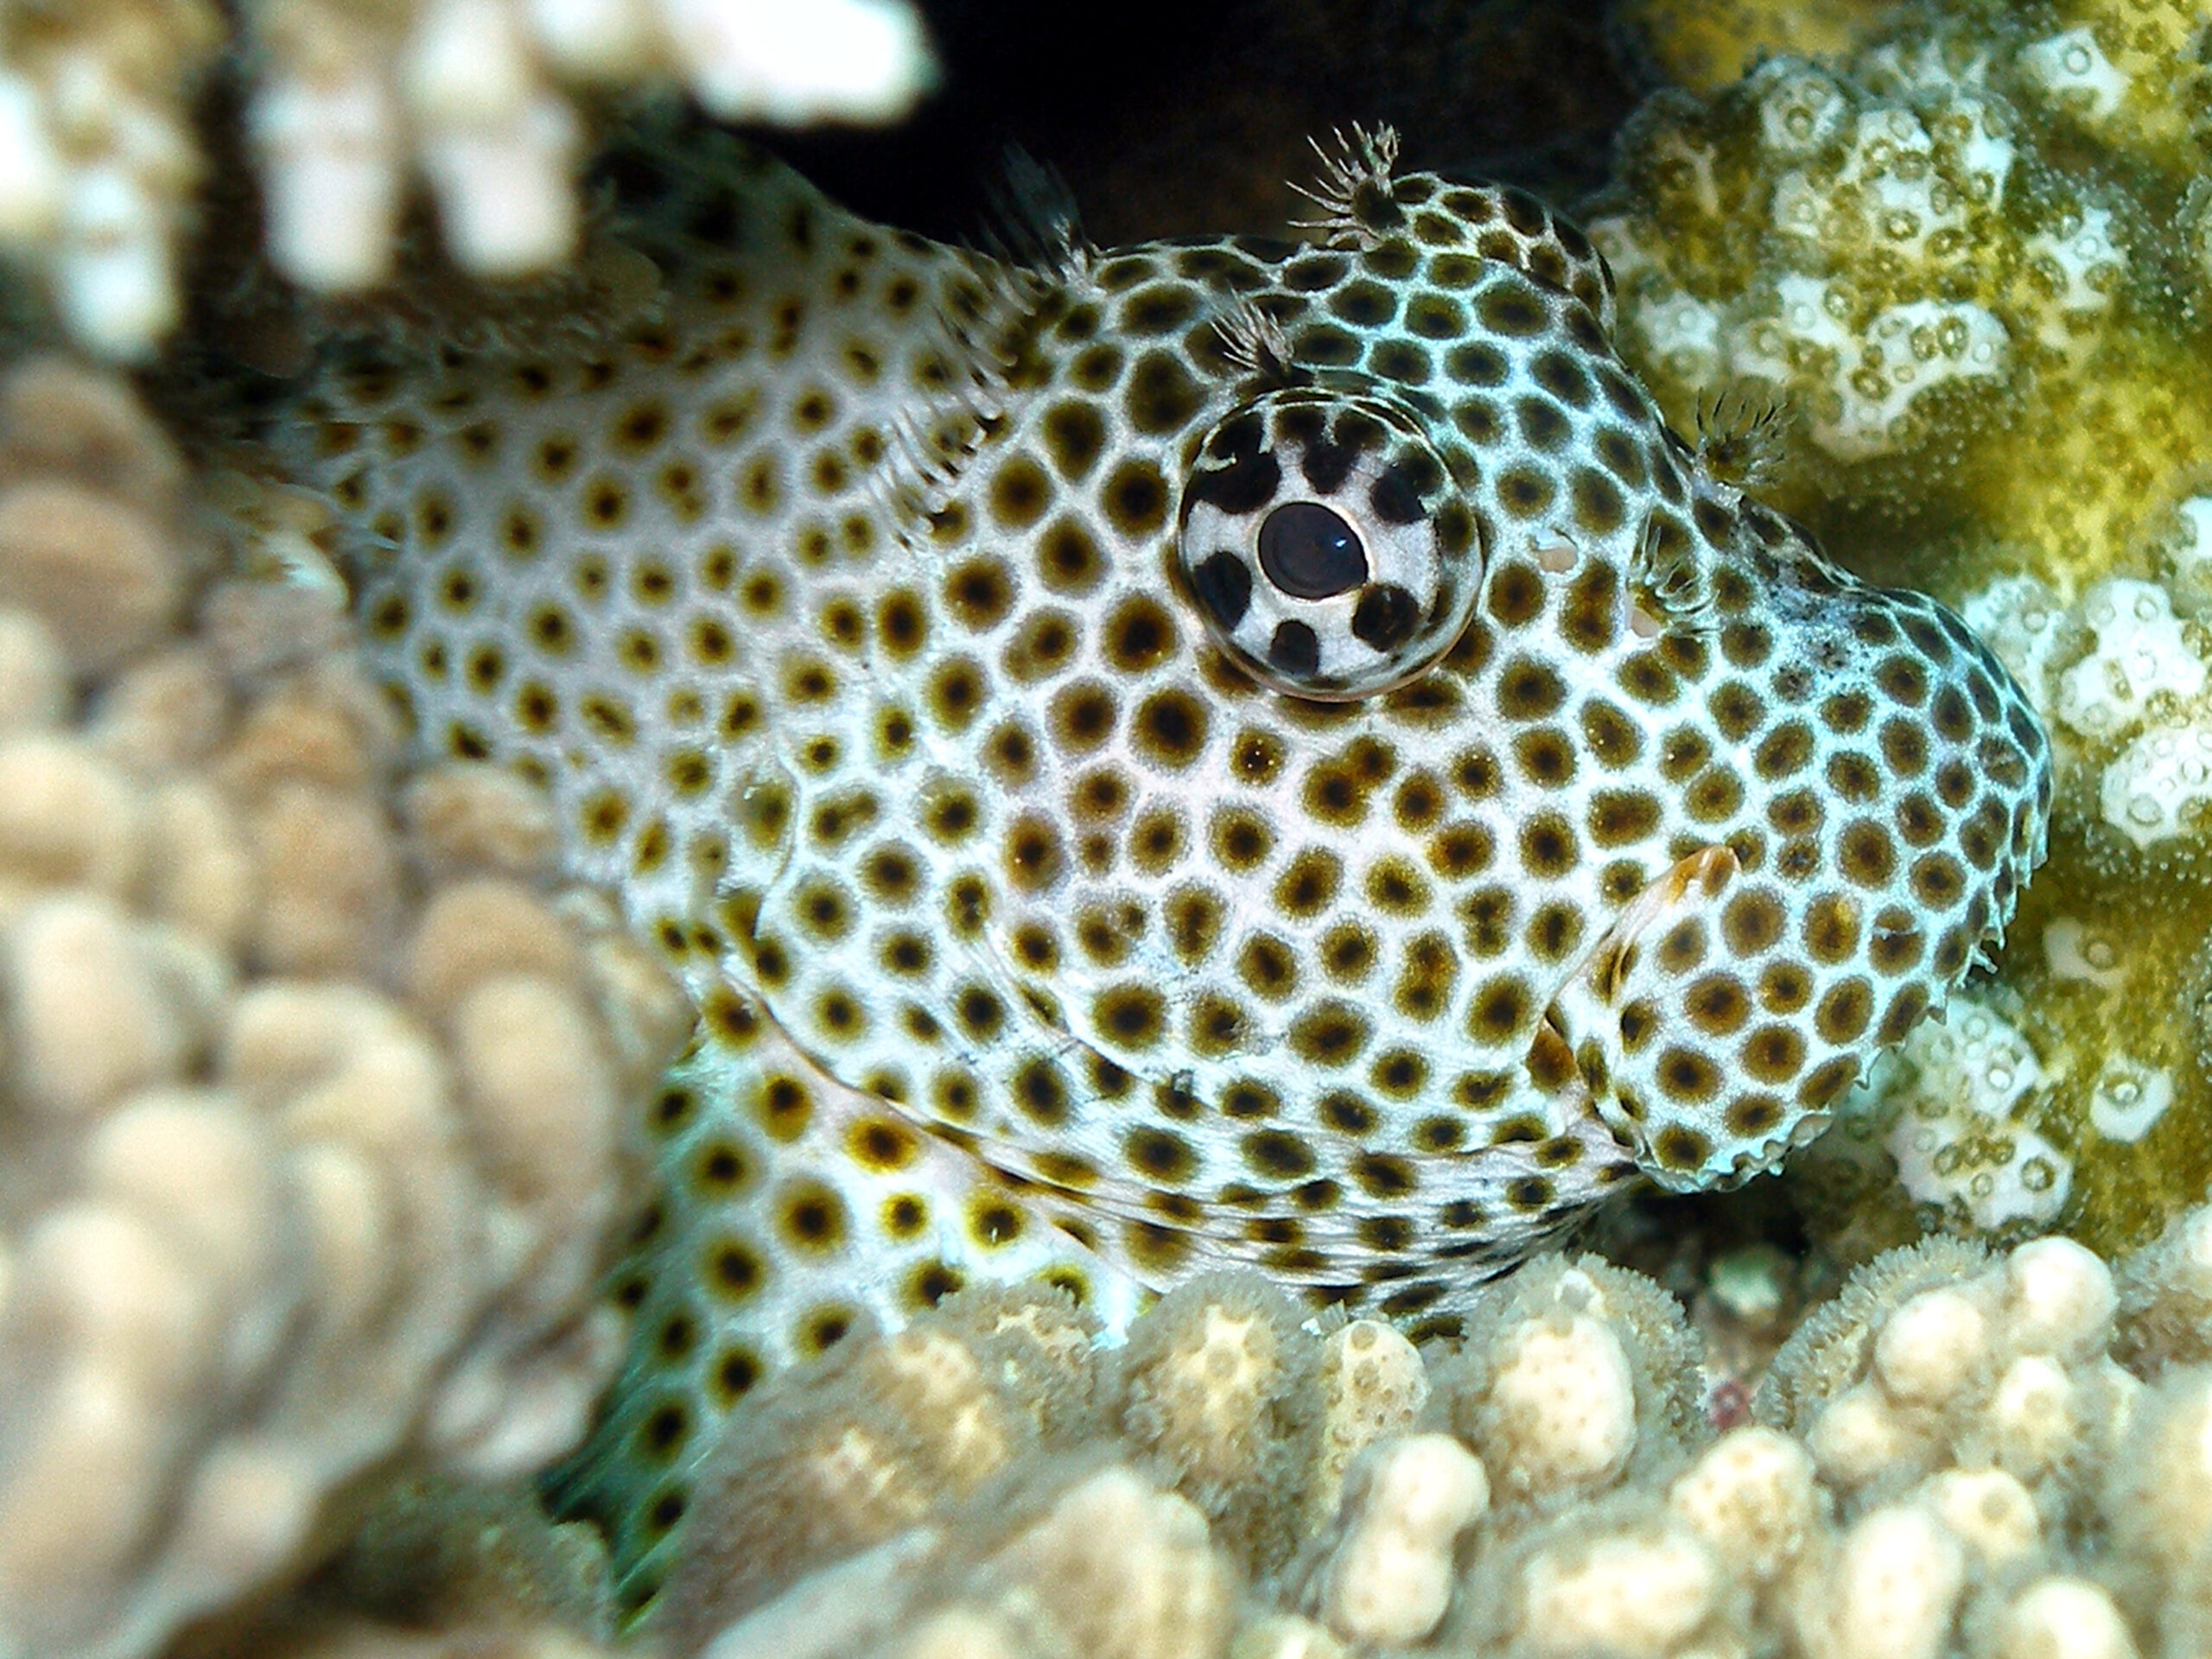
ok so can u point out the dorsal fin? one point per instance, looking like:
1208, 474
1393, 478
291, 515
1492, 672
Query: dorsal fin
1035, 223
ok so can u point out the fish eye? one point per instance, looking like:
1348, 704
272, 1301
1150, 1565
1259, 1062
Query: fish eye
1323, 545
1309, 552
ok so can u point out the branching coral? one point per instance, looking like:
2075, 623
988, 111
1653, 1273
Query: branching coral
99, 161
313, 1097
469, 91
437, 1568
1408, 1499
1954, 1461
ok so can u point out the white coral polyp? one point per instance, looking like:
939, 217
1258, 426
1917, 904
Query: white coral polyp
1931, 1346
333, 178
2072, 67
2140, 653
1881, 366
2084, 262
1957, 1100
1622, 1594
1891, 1591
2059, 1299
118, 285
2035, 1415
1751, 1497
2061, 1617
2159, 786
1800, 107
1988, 1511
594, 39
504, 199
1565, 1401
1903, 352
2018, 618
31, 172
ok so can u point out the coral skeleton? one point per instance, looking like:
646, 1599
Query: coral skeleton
315, 1126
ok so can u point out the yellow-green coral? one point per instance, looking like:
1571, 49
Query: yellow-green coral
1971, 261
1705, 44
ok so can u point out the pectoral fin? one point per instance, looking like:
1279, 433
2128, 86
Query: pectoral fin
1646, 1015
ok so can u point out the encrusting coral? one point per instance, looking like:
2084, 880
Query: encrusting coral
314, 1110
1967, 261
1964, 1453
99, 158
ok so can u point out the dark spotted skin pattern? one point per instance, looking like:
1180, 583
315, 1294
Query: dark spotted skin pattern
1213, 752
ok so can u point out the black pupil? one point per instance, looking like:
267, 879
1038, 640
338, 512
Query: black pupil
1310, 552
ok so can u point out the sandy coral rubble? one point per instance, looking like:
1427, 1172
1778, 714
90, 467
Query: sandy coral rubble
312, 1089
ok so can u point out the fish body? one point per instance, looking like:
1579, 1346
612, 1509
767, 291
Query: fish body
1213, 752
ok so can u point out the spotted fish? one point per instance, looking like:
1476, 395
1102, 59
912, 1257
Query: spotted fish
1219, 751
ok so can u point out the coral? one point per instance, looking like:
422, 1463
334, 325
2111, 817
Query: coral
313, 1115
1704, 45
2159, 1495
1953, 1461
432, 1566
1967, 257
341, 1638
1119, 1570
1750, 1497
889, 1430
1390, 1580
1943, 1107
97, 158
1936, 1360
435, 1551
1219, 1395
1623, 1578
2165, 1298
99, 161
1888, 1591
2060, 1618
1373, 1383
469, 90
1572, 1373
